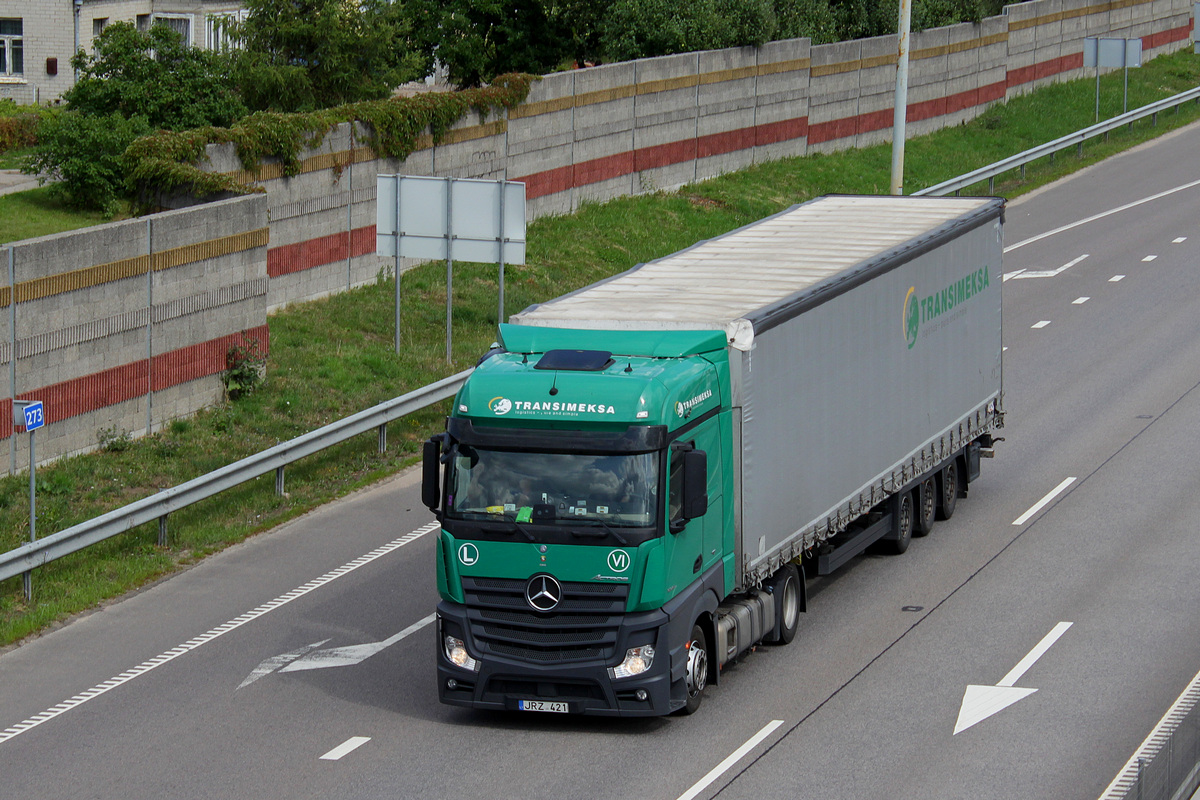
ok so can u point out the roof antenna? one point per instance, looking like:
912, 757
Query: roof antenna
629, 366
553, 384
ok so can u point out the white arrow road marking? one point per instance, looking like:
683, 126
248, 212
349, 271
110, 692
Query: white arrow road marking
353, 654
981, 702
276, 662
345, 748
1046, 273
205, 638
1011, 275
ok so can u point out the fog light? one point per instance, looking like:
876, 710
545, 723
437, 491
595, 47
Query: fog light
456, 652
451, 684
637, 661
640, 694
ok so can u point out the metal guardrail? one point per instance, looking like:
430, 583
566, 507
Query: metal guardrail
1167, 766
1076, 139
159, 505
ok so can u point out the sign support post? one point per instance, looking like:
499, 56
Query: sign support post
30, 413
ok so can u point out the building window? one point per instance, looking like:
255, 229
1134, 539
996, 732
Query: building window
143, 22
218, 35
12, 55
180, 23
98, 26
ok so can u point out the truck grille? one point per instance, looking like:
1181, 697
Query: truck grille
583, 627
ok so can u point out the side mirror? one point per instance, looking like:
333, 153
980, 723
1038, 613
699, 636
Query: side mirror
431, 469
695, 484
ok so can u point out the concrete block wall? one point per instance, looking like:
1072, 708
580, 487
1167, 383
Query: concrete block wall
126, 326
781, 93
594, 134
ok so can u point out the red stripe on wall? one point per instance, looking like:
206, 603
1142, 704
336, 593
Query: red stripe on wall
310, 253
128, 381
1167, 37
560, 179
1045, 69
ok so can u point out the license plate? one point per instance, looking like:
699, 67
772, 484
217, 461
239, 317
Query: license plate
543, 705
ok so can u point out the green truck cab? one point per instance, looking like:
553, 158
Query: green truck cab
584, 517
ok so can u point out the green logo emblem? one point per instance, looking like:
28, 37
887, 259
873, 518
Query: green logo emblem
912, 316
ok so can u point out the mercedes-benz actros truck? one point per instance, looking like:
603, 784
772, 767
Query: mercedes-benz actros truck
636, 481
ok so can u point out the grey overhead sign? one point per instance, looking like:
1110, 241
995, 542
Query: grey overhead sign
455, 218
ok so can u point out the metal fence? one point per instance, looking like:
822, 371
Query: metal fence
158, 506
1076, 140
1167, 765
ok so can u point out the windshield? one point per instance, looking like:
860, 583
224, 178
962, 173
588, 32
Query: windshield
613, 490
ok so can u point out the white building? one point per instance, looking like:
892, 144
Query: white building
38, 37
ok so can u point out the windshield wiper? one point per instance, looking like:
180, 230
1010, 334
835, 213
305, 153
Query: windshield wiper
598, 534
519, 527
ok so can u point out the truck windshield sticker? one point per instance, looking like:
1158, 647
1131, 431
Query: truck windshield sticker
919, 311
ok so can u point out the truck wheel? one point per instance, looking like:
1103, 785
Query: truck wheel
697, 670
948, 490
927, 501
785, 588
903, 530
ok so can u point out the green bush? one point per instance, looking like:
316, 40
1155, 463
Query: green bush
83, 152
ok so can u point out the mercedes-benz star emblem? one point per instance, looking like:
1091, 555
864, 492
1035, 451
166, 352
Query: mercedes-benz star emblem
543, 592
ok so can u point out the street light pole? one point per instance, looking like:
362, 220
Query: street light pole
901, 106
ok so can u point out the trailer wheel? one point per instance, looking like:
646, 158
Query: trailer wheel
785, 588
697, 669
902, 532
948, 490
927, 501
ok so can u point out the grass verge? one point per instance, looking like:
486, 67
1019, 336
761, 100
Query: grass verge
334, 357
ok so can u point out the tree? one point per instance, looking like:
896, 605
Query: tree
645, 28
82, 152
307, 54
476, 40
154, 75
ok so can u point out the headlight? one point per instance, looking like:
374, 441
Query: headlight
637, 661
456, 651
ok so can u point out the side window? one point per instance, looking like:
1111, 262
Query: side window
675, 483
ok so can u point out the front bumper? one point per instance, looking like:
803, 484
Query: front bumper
583, 683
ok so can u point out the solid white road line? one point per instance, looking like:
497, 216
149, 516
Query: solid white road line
220, 630
346, 747
1045, 501
1102, 215
733, 758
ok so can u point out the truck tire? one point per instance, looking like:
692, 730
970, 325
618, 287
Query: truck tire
786, 589
927, 502
902, 531
948, 490
697, 670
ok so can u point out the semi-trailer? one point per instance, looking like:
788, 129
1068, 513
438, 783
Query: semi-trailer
635, 482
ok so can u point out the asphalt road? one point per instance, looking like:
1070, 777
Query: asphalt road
232, 679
